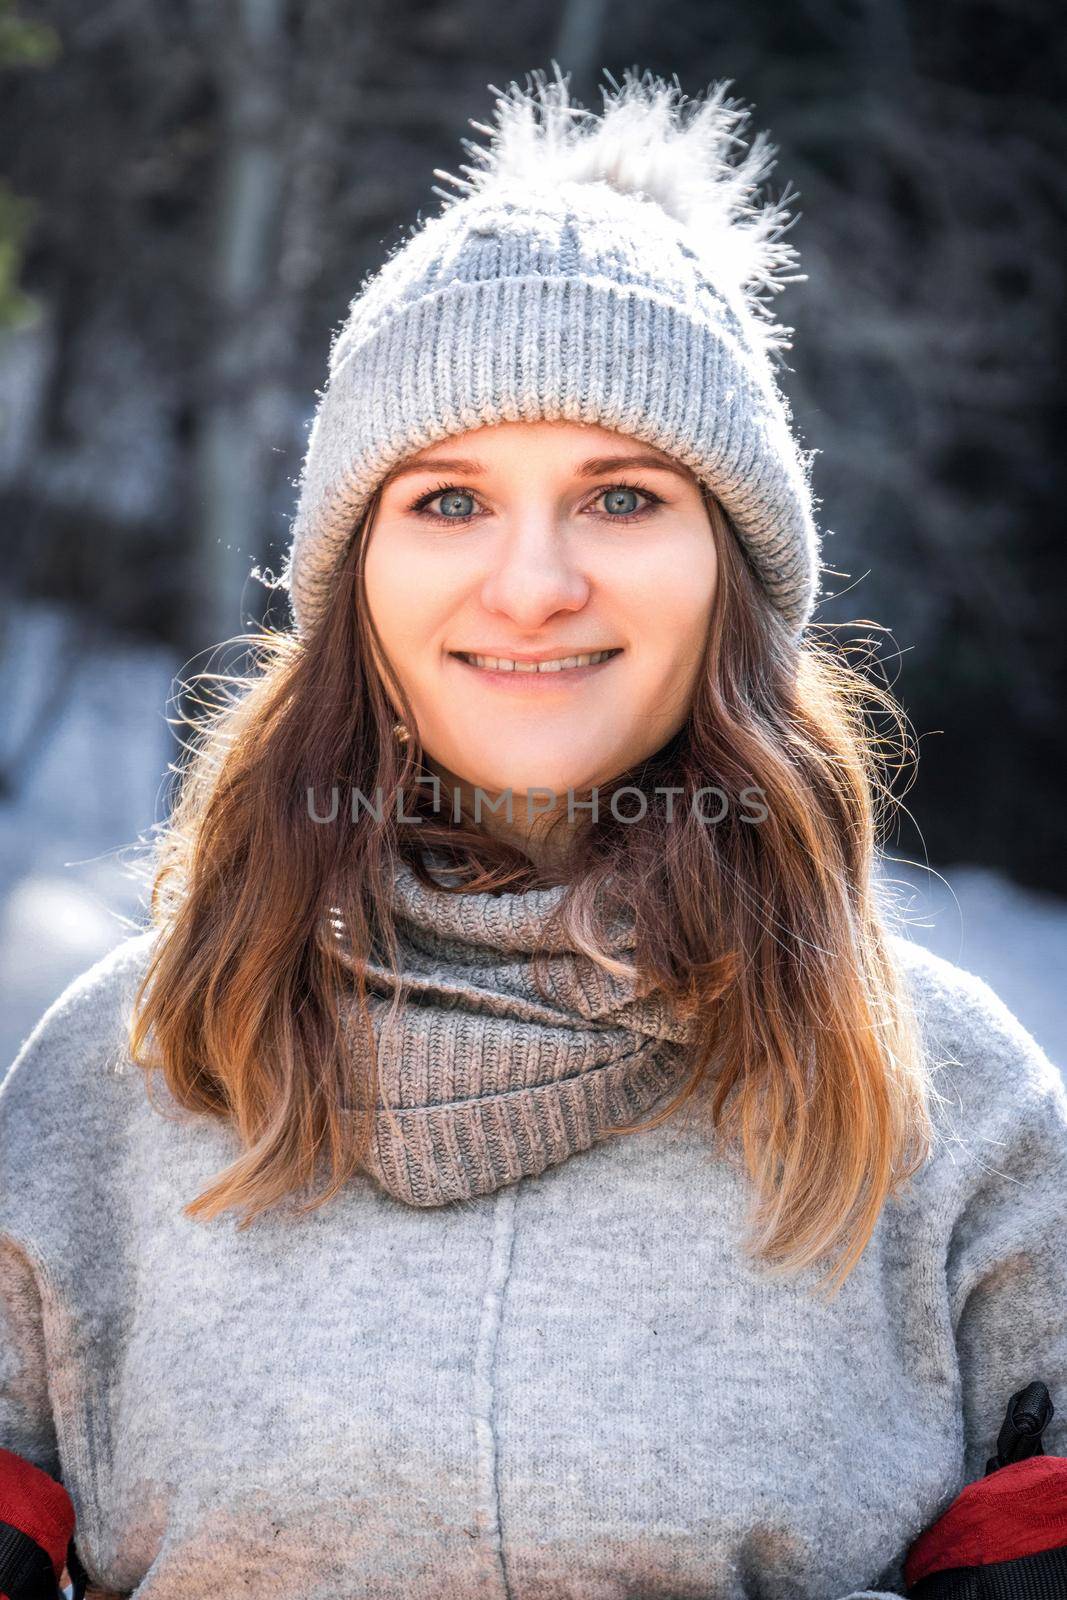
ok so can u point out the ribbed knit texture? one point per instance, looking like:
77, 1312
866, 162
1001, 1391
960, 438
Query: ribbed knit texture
484, 1079
575, 1387
582, 301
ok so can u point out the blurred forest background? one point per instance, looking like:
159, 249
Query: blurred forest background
192, 192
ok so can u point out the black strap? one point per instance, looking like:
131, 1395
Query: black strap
1029, 1413
1039, 1577
26, 1571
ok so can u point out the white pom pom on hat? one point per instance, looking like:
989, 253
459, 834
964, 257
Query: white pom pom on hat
614, 269
656, 144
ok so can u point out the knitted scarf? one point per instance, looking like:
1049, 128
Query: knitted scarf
481, 1079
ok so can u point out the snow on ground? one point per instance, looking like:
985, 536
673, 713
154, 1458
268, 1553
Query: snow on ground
68, 838
68, 834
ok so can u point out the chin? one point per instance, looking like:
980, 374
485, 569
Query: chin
539, 779
498, 773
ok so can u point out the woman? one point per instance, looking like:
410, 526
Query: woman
548, 821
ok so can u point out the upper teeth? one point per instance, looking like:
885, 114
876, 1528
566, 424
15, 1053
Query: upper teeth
506, 664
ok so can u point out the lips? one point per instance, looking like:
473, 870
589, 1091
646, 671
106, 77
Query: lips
533, 677
577, 662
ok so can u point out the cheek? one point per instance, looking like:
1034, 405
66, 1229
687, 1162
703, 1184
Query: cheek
407, 614
667, 598
383, 581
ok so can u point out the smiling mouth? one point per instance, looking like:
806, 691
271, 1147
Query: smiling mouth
565, 664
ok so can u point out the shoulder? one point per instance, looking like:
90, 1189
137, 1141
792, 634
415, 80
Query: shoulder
959, 1012
76, 1041
997, 1081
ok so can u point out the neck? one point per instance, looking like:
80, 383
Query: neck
547, 838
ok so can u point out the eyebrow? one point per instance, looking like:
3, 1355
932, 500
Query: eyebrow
595, 467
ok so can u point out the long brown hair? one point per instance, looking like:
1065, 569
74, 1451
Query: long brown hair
774, 938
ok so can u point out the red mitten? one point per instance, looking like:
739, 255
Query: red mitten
36, 1527
1006, 1534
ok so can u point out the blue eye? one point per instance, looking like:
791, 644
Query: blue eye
624, 501
456, 503
619, 500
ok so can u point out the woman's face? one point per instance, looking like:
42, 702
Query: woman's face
538, 542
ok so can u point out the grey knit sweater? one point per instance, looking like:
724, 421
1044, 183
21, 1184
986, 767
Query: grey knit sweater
570, 1387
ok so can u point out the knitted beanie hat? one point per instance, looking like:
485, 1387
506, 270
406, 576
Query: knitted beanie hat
601, 269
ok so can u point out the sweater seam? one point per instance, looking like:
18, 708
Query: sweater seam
484, 1405
68, 1436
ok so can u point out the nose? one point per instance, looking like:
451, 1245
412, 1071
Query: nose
533, 572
